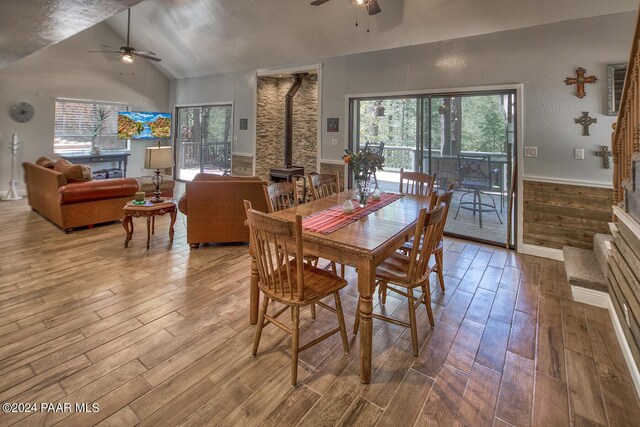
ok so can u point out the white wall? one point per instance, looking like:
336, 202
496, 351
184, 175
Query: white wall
538, 57
238, 88
67, 70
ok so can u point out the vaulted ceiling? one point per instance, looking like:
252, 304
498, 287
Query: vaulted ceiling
28, 26
200, 37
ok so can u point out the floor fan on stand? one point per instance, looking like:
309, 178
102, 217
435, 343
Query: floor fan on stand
12, 194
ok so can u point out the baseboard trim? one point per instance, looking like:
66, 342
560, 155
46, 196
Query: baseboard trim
603, 299
591, 297
626, 351
541, 251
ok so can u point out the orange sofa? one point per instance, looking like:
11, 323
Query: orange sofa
75, 204
214, 207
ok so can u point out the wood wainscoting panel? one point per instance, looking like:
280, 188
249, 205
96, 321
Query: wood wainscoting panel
556, 214
624, 281
333, 168
241, 165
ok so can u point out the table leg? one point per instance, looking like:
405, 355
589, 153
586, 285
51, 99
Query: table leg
173, 221
127, 223
366, 285
254, 291
148, 230
153, 225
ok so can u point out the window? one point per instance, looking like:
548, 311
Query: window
79, 123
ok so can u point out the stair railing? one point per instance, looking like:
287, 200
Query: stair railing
625, 140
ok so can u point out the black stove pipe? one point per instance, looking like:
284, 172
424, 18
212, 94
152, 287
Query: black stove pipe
288, 118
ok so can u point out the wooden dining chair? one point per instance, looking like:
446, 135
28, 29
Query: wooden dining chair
281, 195
438, 252
284, 195
411, 271
418, 183
324, 185
285, 278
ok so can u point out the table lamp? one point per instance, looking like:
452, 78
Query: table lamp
158, 158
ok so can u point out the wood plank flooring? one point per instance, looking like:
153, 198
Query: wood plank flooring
161, 337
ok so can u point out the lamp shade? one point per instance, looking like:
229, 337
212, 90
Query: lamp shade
158, 157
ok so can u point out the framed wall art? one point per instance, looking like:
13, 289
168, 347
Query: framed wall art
333, 124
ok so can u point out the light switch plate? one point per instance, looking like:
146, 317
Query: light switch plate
334, 142
531, 151
579, 153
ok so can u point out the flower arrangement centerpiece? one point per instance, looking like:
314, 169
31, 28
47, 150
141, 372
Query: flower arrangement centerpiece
363, 164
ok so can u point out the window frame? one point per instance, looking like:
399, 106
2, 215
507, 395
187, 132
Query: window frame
114, 104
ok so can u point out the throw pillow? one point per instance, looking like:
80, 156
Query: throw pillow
73, 173
45, 162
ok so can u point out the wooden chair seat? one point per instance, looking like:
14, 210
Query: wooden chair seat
394, 269
318, 284
406, 248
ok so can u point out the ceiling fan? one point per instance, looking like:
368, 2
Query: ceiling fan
371, 5
127, 52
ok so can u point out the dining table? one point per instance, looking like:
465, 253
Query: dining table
363, 244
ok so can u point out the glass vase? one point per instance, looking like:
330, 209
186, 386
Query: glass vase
362, 185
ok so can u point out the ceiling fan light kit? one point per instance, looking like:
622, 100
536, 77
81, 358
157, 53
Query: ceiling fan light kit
127, 58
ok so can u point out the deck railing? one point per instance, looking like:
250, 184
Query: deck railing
213, 155
399, 157
625, 141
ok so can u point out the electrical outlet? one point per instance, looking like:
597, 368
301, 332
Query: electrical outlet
625, 309
579, 153
531, 151
334, 142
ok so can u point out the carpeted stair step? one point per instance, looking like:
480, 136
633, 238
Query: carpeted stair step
601, 246
583, 269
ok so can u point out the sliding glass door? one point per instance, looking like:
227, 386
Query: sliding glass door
203, 140
465, 139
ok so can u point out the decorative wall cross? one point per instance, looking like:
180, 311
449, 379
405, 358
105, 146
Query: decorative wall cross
580, 80
604, 152
585, 121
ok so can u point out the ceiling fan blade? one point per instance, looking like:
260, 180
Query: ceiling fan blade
318, 2
151, 58
108, 47
144, 52
373, 7
105, 51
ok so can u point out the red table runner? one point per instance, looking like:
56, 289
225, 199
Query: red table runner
332, 219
